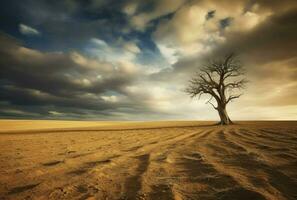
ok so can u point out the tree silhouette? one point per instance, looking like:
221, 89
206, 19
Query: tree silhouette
221, 79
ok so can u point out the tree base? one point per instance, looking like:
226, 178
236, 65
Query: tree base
225, 124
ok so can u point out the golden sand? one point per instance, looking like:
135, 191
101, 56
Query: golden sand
147, 160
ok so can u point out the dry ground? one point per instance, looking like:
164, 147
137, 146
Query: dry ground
156, 160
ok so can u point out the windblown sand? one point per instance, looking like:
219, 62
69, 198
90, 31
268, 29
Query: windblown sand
153, 160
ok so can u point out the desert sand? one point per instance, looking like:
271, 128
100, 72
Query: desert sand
147, 160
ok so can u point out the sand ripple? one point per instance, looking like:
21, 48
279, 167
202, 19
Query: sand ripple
250, 160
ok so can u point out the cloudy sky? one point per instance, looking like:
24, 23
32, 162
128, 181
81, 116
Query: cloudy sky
131, 59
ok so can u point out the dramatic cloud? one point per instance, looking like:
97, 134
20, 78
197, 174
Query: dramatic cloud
131, 60
63, 81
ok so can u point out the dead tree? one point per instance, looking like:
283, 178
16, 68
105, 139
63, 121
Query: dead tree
221, 80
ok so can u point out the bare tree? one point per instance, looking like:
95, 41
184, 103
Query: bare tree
221, 80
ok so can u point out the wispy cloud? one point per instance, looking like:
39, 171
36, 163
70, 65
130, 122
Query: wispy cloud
27, 30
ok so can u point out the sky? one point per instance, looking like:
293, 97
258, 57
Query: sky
131, 60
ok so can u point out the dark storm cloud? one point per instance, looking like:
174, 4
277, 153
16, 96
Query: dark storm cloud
71, 23
55, 81
64, 24
273, 40
35, 81
129, 59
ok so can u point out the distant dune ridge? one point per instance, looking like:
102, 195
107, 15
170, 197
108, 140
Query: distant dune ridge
147, 160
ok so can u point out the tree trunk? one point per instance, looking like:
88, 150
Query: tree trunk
225, 120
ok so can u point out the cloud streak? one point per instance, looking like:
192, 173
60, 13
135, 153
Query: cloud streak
27, 30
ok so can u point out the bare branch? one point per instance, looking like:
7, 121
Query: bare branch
209, 102
211, 80
216, 78
231, 97
236, 84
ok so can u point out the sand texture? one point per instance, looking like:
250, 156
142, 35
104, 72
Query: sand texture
156, 160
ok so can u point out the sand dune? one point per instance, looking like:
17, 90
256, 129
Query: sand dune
156, 160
